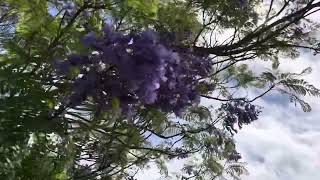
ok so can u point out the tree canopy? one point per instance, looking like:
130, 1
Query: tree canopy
99, 89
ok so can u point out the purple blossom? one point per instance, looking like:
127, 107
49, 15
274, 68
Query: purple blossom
243, 3
89, 39
69, 6
139, 70
240, 112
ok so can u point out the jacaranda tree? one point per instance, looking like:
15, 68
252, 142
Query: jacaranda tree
100, 89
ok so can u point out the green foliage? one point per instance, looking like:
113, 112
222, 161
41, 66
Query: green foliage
229, 13
42, 138
292, 85
172, 18
31, 21
295, 87
147, 8
242, 74
36, 160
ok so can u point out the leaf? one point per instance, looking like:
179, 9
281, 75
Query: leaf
32, 21
296, 100
115, 103
147, 7
214, 166
161, 164
269, 76
61, 176
300, 86
275, 64
306, 71
304, 105
170, 131
197, 114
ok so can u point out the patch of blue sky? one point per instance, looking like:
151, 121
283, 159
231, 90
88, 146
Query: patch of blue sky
277, 99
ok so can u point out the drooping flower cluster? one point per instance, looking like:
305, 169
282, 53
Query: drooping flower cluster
137, 70
240, 112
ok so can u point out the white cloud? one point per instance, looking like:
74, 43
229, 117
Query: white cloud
284, 143
153, 173
273, 150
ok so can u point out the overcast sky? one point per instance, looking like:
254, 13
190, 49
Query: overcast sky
284, 144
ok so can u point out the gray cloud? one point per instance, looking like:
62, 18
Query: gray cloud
273, 151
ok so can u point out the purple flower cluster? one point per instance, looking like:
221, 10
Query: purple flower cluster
138, 70
243, 3
240, 112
